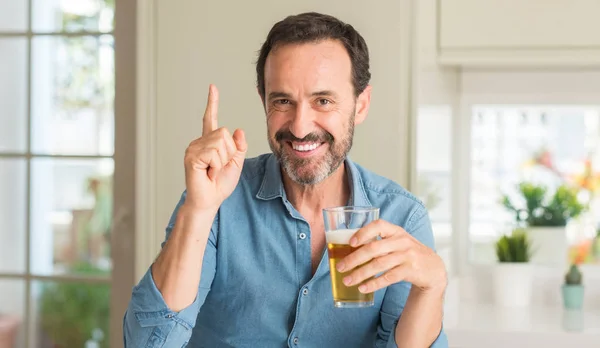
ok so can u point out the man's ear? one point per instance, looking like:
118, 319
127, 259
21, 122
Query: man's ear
362, 105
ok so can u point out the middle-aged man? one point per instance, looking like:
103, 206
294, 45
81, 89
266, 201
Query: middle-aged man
244, 261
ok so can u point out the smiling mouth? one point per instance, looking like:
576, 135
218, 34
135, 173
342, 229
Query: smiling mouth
305, 147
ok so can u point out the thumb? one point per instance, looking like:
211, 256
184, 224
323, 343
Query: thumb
240, 141
237, 161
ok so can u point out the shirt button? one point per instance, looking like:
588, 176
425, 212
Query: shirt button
302, 235
305, 291
295, 340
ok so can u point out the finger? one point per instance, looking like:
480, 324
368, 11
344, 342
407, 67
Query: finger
209, 122
375, 266
210, 160
240, 140
221, 140
373, 230
370, 251
229, 146
393, 276
220, 135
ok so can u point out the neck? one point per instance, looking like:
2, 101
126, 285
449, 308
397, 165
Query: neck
311, 199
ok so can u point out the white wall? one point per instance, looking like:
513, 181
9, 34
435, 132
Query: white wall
437, 97
436, 84
216, 42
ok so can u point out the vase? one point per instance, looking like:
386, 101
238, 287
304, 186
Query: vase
572, 296
513, 284
549, 246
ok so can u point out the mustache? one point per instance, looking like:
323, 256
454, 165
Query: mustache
284, 135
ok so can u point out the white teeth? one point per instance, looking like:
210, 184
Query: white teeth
308, 147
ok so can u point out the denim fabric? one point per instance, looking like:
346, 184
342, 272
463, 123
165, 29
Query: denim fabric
257, 289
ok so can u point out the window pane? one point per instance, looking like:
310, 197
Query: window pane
13, 15
72, 95
70, 314
71, 214
73, 15
12, 313
434, 169
13, 183
543, 145
13, 94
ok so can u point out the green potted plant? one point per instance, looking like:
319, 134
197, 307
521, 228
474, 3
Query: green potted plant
73, 313
513, 272
545, 215
572, 289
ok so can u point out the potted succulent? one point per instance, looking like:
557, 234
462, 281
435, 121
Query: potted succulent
513, 273
572, 289
545, 214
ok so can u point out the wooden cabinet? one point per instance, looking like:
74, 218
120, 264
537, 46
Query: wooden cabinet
517, 32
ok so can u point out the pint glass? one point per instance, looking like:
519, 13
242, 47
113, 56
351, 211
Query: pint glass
340, 225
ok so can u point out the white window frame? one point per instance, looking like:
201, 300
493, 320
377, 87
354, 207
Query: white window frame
123, 225
488, 91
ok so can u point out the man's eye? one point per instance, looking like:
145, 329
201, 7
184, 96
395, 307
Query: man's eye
282, 101
323, 102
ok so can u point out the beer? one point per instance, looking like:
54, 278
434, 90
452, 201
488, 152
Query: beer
338, 247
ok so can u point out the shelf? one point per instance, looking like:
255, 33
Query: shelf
472, 325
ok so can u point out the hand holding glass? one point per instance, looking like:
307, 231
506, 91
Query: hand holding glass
340, 225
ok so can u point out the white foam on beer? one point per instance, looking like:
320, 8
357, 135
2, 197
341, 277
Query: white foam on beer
340, 236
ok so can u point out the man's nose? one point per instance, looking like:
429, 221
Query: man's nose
303, 121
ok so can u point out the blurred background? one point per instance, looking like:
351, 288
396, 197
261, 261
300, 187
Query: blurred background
489, 111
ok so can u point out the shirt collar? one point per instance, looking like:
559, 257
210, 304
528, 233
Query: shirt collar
272, 183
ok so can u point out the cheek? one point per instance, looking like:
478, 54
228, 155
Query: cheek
275, 122
336, 124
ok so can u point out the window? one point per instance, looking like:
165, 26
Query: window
56, 170
434, 173
548, 145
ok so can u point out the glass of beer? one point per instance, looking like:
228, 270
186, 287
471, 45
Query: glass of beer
340, 225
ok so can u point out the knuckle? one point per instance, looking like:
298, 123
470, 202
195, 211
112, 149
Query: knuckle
223, 132
358, 274
349, 261
379, 263
388, 277
371, 247
403, 242
187, 157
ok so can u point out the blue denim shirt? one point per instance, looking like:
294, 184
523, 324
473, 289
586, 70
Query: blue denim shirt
257, 288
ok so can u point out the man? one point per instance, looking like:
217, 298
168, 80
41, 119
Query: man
244, 262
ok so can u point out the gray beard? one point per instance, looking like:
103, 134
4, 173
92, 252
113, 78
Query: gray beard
333, 159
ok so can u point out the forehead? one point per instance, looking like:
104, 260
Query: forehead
308, 66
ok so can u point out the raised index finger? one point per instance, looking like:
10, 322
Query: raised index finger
209, 122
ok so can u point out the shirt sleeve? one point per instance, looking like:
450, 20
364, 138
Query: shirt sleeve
419, 226
148, 321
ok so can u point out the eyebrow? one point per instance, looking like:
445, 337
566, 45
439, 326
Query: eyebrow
324, 93
274, 95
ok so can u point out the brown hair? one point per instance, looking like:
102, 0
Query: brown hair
315, 27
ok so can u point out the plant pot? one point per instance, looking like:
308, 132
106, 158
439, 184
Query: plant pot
513, 284
572, 296
9, 328
549, 246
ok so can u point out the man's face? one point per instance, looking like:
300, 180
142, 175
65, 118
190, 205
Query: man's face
311, 108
